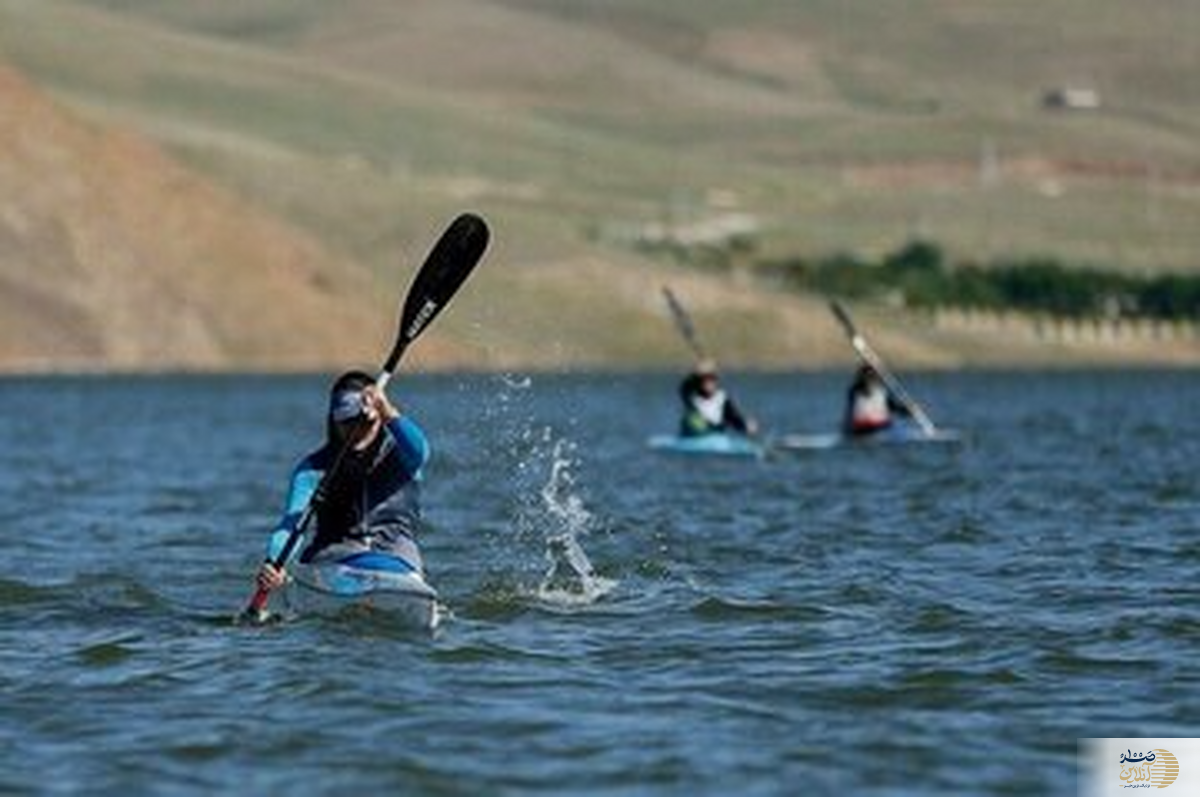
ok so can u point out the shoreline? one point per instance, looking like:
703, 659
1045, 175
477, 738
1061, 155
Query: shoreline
601, 370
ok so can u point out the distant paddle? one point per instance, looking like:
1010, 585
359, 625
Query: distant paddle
683, 323
868, 356
448, 265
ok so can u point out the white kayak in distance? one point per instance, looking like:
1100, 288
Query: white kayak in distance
715, 444
374, 580
896, 434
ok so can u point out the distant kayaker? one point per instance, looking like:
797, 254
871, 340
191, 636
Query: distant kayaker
373, 501
707, 409
870, 406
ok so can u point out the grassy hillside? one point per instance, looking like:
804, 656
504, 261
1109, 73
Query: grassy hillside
112, 256
835, 124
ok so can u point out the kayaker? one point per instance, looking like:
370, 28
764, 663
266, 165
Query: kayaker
870, 406
707, 408
373, 501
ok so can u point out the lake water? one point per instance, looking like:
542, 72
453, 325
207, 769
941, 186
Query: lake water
906, 620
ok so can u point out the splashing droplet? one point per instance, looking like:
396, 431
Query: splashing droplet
570, 578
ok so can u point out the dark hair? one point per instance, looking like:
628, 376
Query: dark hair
350, 380
865, 374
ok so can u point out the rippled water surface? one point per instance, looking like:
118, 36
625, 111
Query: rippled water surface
922, 619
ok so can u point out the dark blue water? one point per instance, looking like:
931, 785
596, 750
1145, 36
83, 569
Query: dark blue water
909, 620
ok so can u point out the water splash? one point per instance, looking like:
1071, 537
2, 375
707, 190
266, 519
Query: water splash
516, 382
537, 555
569, 579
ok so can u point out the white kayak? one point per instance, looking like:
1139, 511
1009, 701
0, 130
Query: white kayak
716, 444
897, 434
372, 579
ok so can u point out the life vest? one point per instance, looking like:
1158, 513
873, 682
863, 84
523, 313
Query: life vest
869, 410
711, 408
374, 501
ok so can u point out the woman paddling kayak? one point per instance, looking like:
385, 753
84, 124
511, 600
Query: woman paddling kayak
870, 406
707, 408
373, 501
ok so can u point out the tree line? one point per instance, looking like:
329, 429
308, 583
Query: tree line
920, 276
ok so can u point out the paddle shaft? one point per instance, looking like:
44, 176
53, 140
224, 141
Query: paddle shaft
447, 266
869, 356
683, 323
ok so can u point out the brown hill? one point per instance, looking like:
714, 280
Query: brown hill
112, 255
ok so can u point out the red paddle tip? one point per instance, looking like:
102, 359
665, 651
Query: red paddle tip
259, 602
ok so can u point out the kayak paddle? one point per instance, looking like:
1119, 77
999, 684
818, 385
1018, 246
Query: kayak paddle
445, 269
868, 356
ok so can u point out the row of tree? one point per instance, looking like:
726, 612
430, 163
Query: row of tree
920, 276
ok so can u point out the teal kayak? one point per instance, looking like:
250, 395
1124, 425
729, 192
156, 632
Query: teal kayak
716, 444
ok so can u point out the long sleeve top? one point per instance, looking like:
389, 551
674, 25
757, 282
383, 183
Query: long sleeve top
382, 500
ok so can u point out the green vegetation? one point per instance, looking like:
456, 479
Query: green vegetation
920, 276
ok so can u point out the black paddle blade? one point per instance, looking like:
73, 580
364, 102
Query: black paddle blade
449, 263
683, 322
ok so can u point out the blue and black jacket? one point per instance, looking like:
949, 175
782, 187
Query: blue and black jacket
373, 499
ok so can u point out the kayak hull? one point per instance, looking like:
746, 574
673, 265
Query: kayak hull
372, 580
714, 445
899, 434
